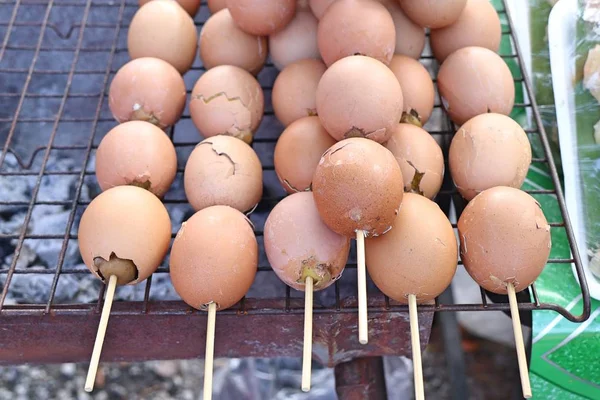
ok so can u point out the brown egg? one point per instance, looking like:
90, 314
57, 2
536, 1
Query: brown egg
223, 43
223, 171
410, 37
359, 97
298, 151
260, 17
190, 6
227, 100
473, 81
302, 5
478, 25
318, 7
136, 153
216, 5
504, 238
214, 258
147, 89
163, 29
294, 94
489, 150
295, 42
298, 244
418, 256
356, 187
420, 159
125, 231
433, 13
356, 27
418, 93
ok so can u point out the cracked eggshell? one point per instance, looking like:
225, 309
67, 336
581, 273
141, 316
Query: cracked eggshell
418, 256
356, 187
227, 100
298, 244
294, 94
489, 150
477, 25
136, 153
298, 151
433, 13
356, 27
223, 170
130, 222
420, 158
214, 258
163, 29
216, 5
147, 89
504, 238
190, 6
222, 42
418, 92
260, 17
359, 96
410, 37
473, 81
297, 41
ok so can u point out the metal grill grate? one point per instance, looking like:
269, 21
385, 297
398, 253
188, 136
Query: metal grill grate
62, 29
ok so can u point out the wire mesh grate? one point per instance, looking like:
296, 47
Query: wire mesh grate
57, 59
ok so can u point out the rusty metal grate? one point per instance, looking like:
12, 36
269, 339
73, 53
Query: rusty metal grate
91, 34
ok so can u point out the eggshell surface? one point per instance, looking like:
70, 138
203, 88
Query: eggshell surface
294, 94
222, 42
147, 89
418, 256
297, 41
298, 151
433, 13
477, 25
298, 244
136, 153
214, 258
489, 150
357, 187
162, 29
420, 159
418, 93
223, 171
227, 100
410, 37
504, 238
359, 97
260, 17
127, 222
473, 81
190, 6
356, 27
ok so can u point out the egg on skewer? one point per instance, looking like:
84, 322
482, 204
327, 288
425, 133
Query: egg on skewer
298, 152
357, 193
136, 153
213, 263
147, 89
505, 242
414, 262
163, 29
305, 254
124, 235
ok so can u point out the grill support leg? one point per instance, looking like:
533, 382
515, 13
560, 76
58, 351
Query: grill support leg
361, 378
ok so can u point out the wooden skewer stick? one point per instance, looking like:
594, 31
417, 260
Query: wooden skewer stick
363, 328
522, 358
210, 351
108, 300
308, 320
416, 347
